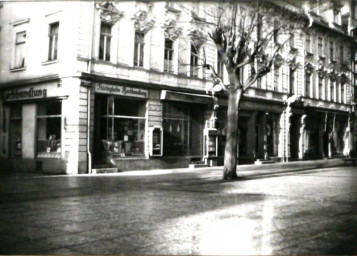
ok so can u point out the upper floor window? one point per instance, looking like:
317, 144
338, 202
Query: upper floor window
331, 51
332, 91
259, 26
276, 31
20, 49
220, 66
276, 77
307, 85
308, 43
326, 89
194, 61
341, 54
168, 56
319, 46
291, 80
336, 15
321, 89
354, 9
139, 49
292, 37
343, 95
105, 40
53, 41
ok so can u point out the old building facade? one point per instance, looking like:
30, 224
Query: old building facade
88, 84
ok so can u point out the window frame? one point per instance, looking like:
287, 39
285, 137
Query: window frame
320, 46
308, 85
139, 49
291, 81
53, 41
194, 61
276, 78
106, 37
169, 56
56, 151
20, 50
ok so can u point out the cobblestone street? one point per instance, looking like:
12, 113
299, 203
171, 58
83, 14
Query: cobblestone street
309, 211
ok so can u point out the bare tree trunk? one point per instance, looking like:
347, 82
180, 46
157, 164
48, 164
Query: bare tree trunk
230, 152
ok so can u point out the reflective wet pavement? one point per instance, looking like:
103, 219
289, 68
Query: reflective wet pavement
312, 211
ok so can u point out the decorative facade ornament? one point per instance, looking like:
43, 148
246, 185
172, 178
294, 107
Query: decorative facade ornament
198, 37
344, 78
171, 30
333, 75
108, 12
345, 66
321, 73
141, 23
278, 60
309, 67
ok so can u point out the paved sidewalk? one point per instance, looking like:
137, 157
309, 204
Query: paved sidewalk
248, 170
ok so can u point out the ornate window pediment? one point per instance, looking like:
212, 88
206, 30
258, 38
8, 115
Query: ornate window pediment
141, 22
171, 30
278, 60
309, 67
108, 12
321, 73
333, 75
198, 37
344, 78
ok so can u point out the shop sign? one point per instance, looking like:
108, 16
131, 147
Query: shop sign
121, 90
31, 93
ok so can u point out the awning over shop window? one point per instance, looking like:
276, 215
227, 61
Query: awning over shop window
186, 97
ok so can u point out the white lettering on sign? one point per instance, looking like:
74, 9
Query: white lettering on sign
121, 90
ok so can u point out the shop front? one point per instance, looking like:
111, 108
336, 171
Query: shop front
32, 129
120, 123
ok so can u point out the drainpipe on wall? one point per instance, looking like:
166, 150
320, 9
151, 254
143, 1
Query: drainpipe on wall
89, 70
88, 134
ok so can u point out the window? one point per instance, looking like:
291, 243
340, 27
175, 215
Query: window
20, 49
307, 85
292, 37
182, 127
343, 95
308, 43
168, 56
139, 49
338, 92
259, 26
220, 67
276, 77
122, 126
194, 61
354, 9
331, 51
341, 54
321, 88
53, 41
336, 15
276, 31
105, 40
49, 129
319, 46
15, 131
326, 89
332, 91
291, 81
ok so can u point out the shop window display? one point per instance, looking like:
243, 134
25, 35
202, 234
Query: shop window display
122, 126
15, 131
49, 129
